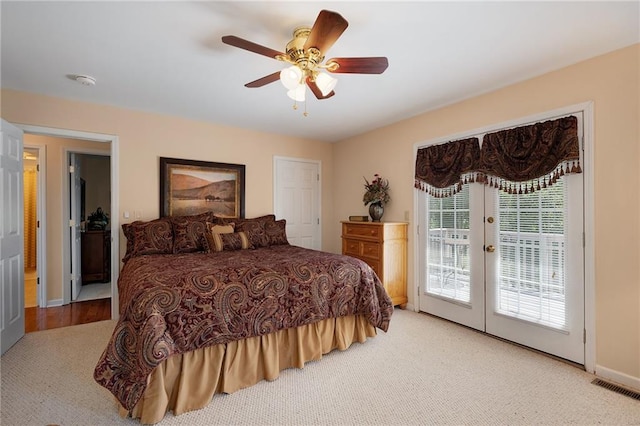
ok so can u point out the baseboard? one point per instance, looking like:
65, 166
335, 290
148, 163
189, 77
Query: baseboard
54, 302
410, 307
618, 377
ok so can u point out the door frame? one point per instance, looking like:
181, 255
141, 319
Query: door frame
586, 109
67, 257
276, 188
115, 198
41, 217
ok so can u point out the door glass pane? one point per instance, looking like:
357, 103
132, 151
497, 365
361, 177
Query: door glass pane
532, 255
448, 252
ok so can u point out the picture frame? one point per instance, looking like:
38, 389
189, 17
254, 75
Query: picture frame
190, 187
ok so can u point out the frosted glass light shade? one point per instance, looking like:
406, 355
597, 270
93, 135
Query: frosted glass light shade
290, 77
325, 83
298, 93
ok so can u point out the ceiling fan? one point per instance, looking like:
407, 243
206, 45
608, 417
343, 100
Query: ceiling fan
306, 52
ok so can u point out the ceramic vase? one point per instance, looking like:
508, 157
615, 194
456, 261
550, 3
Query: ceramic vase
376, 210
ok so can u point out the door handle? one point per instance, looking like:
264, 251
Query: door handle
490, 248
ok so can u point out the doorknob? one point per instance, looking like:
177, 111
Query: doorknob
490, 248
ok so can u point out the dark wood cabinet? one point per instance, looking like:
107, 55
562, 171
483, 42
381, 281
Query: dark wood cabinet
96, 256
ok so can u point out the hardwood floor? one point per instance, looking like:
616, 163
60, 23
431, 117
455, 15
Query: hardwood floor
37, 319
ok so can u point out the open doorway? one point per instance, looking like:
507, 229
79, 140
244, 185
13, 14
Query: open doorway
32, 212
90, 208
55, 275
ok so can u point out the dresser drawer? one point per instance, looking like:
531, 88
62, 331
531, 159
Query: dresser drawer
362, 230
375, 265
351, 247
370, 250
363, 249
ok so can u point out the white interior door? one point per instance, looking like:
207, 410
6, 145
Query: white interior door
74, 224
11, 237
297, 199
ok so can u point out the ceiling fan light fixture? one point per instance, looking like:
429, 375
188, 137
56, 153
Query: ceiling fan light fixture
298, 93
325, 83
305, 55
291, 77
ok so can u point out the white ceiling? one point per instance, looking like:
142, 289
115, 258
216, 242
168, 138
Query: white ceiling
167, 57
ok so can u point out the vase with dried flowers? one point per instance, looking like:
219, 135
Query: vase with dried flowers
376, 195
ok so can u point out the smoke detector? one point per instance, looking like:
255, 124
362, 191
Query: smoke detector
85, 80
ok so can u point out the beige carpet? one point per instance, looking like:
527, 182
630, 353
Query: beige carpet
423, 371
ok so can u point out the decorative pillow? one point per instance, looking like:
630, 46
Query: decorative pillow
221, 229
154, 237
229, 241
276, 232
188, 232
253, 227
255, 232
214, 229
126, 229
261, 219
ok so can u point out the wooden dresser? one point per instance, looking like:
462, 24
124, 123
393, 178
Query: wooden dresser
383, 245
96, 256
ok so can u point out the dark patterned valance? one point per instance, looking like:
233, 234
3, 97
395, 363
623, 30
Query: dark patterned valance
442, 169
520, 160
540, 152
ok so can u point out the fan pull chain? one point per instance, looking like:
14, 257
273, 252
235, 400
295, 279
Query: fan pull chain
295, 107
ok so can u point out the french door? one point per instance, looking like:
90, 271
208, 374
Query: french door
451, 252
534, 267
510, 265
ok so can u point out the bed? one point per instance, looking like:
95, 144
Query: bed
211, 305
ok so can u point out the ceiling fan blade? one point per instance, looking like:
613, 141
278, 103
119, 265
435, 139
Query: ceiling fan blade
250, 46
371, 65
316, 90
264, 80
326, 30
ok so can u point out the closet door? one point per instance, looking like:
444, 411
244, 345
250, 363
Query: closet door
297, 199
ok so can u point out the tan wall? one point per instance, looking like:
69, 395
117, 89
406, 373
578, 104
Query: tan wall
55, 164
144, 137
611, 82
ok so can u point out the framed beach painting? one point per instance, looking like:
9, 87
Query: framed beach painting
189, 187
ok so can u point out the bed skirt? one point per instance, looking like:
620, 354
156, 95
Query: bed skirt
188, 381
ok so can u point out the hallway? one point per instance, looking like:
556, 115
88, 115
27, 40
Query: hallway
93, 304
37, 319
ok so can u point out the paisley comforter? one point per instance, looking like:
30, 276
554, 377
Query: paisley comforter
172, 304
